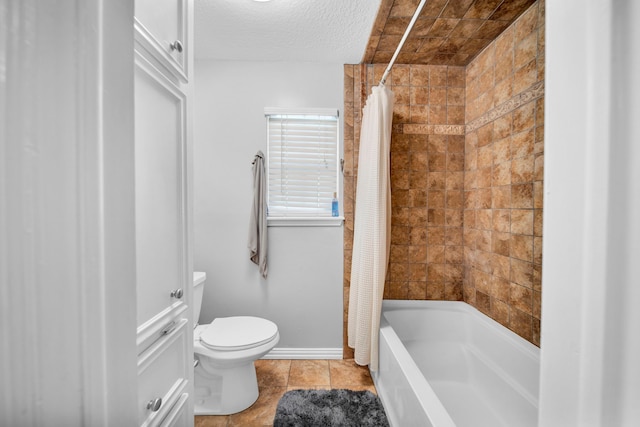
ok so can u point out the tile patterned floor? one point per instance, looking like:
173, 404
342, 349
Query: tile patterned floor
276, 377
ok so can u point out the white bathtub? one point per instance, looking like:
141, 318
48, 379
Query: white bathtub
444, 363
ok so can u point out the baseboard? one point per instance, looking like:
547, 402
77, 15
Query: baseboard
304, 353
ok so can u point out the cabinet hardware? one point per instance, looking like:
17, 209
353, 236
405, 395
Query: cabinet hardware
177, 293
154, 404
176, 45
167, 329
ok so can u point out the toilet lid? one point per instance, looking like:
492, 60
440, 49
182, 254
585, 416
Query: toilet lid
237, 333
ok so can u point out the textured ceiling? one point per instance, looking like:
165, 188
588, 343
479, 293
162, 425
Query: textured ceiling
284, 30
447, 32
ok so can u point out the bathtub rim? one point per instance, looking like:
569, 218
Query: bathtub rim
433, 408
525, 346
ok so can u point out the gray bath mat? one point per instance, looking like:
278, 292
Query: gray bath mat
311, 408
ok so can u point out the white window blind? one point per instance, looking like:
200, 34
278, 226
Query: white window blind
302, 162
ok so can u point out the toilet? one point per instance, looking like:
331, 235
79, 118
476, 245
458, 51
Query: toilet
224, 352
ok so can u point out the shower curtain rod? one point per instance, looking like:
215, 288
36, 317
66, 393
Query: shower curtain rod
404, 38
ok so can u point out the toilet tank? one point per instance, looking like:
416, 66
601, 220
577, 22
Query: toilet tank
198, 290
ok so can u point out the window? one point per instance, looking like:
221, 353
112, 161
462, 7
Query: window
302, 163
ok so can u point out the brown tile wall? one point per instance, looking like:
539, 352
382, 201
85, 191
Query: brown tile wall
353, 104
504, 156
466, 177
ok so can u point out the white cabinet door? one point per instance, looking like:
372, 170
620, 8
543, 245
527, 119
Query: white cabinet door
164, 280
161, 29
161, 223
163, 276
163, 376
179, 416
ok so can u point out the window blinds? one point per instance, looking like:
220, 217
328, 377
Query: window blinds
302, 163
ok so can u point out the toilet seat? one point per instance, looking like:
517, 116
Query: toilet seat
238, 333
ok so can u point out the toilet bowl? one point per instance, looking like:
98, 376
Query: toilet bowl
224, 350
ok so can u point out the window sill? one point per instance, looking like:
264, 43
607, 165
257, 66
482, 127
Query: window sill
333, 221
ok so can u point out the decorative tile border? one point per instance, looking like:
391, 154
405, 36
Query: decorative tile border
534, 92
421, 129
449, 129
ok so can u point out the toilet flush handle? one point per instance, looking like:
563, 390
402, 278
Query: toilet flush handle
154, 404
177, 293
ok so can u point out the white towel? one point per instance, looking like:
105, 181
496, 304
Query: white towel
258, 220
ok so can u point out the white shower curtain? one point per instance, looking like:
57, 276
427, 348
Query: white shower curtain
372, 228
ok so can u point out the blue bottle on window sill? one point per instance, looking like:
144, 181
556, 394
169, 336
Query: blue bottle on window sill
334, 205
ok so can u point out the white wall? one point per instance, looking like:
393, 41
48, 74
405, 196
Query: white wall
303, 292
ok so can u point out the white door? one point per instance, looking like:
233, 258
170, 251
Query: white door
67, 250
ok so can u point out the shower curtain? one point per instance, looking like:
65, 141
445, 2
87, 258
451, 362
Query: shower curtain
372, 228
